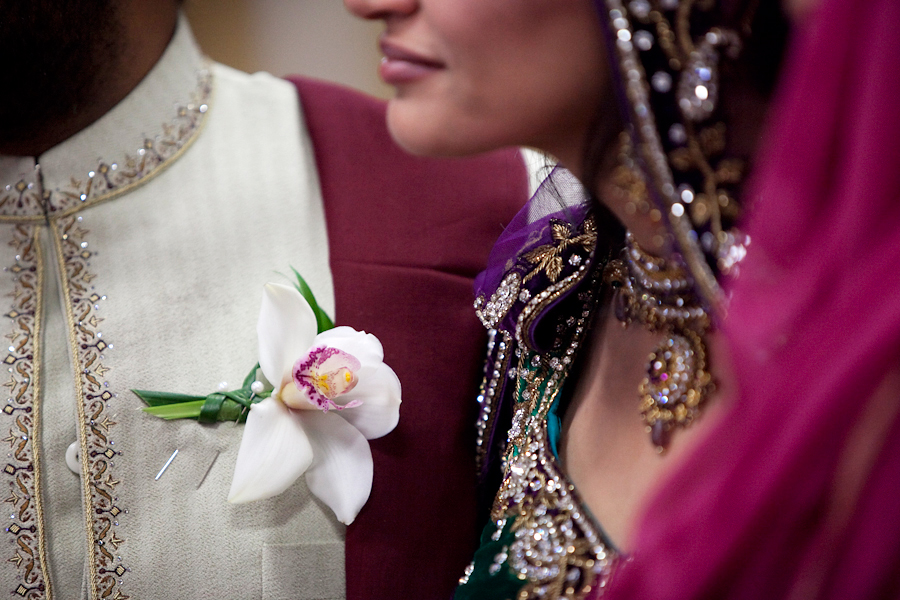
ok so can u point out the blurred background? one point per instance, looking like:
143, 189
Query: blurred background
317, 38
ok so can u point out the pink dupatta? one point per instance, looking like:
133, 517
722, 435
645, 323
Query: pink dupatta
796, 494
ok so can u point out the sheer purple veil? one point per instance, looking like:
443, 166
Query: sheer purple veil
560, 196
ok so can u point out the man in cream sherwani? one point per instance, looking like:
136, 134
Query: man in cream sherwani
146, 197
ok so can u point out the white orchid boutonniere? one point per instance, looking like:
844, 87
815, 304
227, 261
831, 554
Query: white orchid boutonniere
321, 397
332, 392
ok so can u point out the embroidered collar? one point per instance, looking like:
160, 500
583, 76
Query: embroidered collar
138, 138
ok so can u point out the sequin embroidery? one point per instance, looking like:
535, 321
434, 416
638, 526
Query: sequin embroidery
540, 536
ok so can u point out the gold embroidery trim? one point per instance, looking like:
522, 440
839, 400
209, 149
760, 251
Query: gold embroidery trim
154, 157
555, 510
650, 146
94, 425
36, 403
29, 555
97, 481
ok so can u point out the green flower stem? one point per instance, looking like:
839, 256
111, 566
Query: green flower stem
182, 410
239, 398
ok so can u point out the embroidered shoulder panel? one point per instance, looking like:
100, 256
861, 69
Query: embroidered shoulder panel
544, 273
542, 543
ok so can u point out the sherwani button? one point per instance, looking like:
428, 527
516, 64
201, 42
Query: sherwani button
73, 460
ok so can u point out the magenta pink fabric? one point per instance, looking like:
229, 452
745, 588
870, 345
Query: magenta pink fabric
407, 236
796, 494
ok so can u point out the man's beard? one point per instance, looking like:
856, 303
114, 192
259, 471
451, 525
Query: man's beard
54, 56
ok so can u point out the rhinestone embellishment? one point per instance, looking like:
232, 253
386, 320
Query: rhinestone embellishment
500, 301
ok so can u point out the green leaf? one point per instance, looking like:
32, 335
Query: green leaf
239, 397
232, 411
323, 321
250, 378
209, 411
218, 406
165, 398
181, 410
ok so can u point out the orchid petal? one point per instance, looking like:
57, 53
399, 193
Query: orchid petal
286, 330
274, 452
261, 377
341, 473
364, 346
379, 393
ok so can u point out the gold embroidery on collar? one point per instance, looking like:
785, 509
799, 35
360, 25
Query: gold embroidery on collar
24, 202
24, 199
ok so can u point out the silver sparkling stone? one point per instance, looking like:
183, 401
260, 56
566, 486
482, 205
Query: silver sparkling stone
661, 82
698, 87
639, 8
501, 300
677, 134
467, 573
643, 40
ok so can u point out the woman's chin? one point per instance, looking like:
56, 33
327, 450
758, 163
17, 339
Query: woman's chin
424, 133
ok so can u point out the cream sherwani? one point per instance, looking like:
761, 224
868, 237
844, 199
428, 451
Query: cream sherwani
134, 256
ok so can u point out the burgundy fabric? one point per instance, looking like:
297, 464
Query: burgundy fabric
407, 236
795, 493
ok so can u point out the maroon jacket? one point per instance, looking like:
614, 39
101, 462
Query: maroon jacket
407, 235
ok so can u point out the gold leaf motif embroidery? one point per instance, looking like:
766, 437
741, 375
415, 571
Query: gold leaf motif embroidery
548, 258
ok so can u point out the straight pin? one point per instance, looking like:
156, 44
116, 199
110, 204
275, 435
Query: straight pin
208, 469
166, 466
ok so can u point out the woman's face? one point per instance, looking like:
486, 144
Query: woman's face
474, 75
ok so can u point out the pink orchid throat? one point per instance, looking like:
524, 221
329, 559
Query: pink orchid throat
324, 374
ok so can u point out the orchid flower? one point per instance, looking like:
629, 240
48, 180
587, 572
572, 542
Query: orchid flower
331, 393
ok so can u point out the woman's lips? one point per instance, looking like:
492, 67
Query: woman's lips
400, 65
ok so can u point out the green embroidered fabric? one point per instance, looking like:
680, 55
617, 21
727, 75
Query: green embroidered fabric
541, 543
